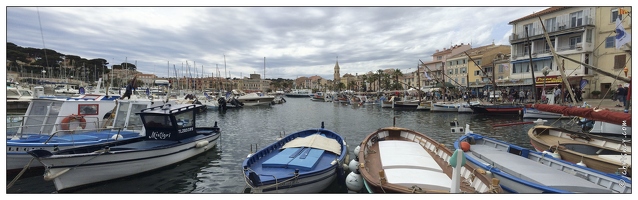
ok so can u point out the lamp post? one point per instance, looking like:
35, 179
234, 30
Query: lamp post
545, 71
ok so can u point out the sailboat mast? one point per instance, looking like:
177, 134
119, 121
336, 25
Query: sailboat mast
418, 80
529, 47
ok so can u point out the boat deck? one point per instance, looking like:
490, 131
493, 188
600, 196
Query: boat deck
412, 166
532, 171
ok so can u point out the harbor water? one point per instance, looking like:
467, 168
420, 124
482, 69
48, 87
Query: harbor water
219, 170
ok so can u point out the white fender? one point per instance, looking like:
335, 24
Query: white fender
354, 181
201, 144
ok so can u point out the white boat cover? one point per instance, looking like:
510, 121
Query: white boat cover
315, 141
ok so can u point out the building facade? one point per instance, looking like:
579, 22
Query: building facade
607, 57
572, 33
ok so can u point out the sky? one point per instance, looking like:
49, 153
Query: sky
236, 41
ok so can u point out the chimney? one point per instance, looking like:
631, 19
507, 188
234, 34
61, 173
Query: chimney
444, 49
437, 51
461, 43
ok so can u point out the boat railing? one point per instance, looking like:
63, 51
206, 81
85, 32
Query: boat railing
15, 130
72, 132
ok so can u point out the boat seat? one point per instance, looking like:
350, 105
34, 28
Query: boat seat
423, 178
402, 154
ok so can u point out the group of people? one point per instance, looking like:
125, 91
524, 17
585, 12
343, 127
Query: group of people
621, 95
567, 97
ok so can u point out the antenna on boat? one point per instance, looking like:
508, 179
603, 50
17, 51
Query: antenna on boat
394, 121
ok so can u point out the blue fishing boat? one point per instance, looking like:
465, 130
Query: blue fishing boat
521, 170
307, 161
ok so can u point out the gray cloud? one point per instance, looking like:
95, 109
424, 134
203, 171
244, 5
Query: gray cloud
296, 41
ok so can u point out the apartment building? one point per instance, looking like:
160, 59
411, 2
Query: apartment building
572, 33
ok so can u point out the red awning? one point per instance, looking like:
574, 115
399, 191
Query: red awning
547, 85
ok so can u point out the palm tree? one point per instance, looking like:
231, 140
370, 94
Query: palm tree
379, 76
340, 86
371, 80
396, 74
386, 81
352, 85
364, 79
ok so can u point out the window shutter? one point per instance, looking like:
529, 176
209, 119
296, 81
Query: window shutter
619, 61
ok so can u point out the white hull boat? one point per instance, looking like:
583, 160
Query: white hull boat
445, 107
171, 137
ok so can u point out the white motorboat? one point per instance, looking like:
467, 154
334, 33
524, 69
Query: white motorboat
445, 107
171, 136
120, 125
255, 99
300, 93
464, 107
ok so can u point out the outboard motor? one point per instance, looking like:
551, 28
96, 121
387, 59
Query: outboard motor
222, 103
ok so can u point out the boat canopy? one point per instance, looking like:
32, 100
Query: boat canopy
315, 141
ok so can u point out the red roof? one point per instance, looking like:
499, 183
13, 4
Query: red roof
541, 13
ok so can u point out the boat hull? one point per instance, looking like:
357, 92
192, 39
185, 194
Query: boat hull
530, 113
119, 163
522, 170
602, 154
445, 107
270, 170
497, 109
17, 156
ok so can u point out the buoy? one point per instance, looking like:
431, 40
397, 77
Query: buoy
356, 150
117, 137
465, 146
556, 155
581, 163
354, 163
354, 181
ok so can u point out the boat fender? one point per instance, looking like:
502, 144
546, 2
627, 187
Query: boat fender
48, 176
117, 137
354, 163
254, 178
354, 181
581, 163
465, 146
356, 150
201, 144
64, 125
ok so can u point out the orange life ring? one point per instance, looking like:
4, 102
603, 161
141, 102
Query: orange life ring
67, 120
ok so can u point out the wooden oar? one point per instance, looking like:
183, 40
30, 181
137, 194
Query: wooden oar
512, 124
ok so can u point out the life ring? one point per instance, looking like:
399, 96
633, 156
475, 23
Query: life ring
67, 120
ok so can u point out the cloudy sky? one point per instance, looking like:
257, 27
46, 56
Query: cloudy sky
295, 41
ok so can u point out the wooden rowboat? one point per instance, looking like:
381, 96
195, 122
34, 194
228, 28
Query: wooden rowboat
601, 153
399, 160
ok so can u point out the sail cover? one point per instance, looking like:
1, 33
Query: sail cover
608, 116
315, 141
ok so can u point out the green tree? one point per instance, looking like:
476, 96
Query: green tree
396, 74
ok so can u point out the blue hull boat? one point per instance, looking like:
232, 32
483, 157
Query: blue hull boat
521, 170
307, 161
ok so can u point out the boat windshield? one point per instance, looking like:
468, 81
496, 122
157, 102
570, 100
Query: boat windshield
157, 121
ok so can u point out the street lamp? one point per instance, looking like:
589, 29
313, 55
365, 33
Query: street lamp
545, 71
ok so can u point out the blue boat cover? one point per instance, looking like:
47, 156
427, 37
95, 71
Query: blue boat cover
303, 158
